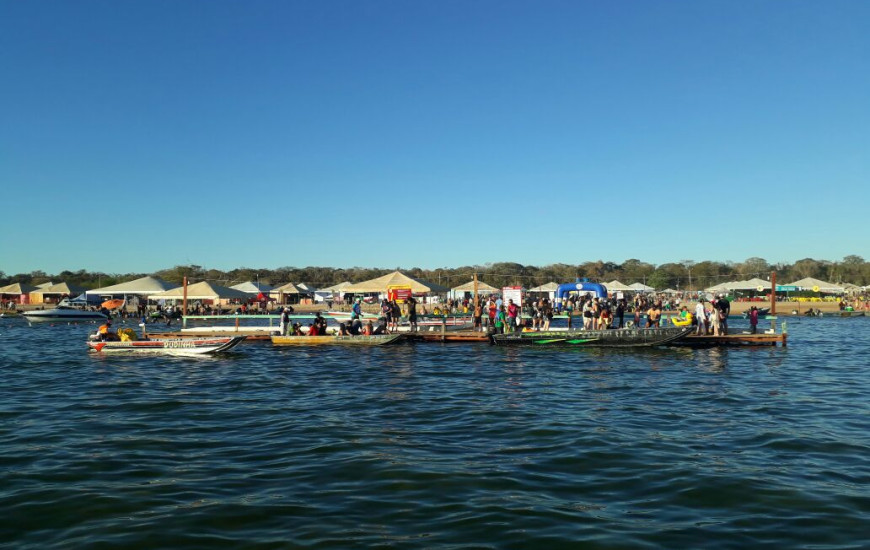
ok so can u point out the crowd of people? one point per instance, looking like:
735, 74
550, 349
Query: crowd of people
714, 320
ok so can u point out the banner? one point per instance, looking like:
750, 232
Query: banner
514, 293
399, 293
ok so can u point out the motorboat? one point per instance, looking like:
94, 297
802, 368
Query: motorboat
168, 346
360, 340
62, 314
626, 337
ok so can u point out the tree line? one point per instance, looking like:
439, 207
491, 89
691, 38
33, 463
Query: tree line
683, 275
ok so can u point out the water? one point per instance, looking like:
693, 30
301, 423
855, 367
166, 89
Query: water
437, 446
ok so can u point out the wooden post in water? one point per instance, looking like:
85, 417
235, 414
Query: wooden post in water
184, 304
773, 292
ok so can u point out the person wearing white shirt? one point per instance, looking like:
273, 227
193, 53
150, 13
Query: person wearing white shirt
700, 315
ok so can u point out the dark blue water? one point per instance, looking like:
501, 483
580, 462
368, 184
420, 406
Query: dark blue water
437, 446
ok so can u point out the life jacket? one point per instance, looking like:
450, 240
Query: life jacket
104, 329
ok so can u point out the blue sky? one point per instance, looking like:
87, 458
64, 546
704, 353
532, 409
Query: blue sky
136, 136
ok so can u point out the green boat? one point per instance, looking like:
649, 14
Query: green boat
360, 340
617, 338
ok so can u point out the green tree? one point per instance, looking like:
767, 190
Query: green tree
633, 271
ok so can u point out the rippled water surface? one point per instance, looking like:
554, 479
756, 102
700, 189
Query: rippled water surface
432, 445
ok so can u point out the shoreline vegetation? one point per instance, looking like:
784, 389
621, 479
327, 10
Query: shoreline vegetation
685, 275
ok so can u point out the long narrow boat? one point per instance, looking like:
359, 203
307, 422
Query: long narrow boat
361, 340
626, 337
62, 314
169, 346
850, 313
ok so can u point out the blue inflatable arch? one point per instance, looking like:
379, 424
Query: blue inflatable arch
597, 288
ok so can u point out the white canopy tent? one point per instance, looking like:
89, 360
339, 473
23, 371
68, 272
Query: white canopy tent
334, 292
809, 283
202, 291
143, 286
396, 278
482, 289
640, 287
547, 288
718, 289
616, 286
252, 288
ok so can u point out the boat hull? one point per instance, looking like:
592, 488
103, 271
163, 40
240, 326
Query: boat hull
62, 316
851, 314
617, 338
169, 346
361, 340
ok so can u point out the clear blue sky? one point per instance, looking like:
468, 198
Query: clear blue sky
136, 136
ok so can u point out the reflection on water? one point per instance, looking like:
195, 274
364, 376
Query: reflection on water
430, 445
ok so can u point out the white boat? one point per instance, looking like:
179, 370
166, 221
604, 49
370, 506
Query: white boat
62, 314
168, 346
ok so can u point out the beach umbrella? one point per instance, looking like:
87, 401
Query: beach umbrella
112, 304
262, 298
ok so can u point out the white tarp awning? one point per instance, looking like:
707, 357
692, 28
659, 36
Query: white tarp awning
810, 283
201, 291
250, 287
142, 286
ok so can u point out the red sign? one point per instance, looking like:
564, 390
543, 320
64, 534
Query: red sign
399, 293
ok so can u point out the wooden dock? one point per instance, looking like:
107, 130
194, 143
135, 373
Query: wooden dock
448, 336
759, 339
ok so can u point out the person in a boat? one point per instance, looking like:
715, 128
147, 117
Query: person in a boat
355, 328
620, 313
285, 321
654, 315
105, 333
296, 330
369, 329
382, 326
342, 330
321, 323
387, 311
312, 330
605, 319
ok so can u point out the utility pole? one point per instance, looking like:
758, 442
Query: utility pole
773, 292
184, 301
